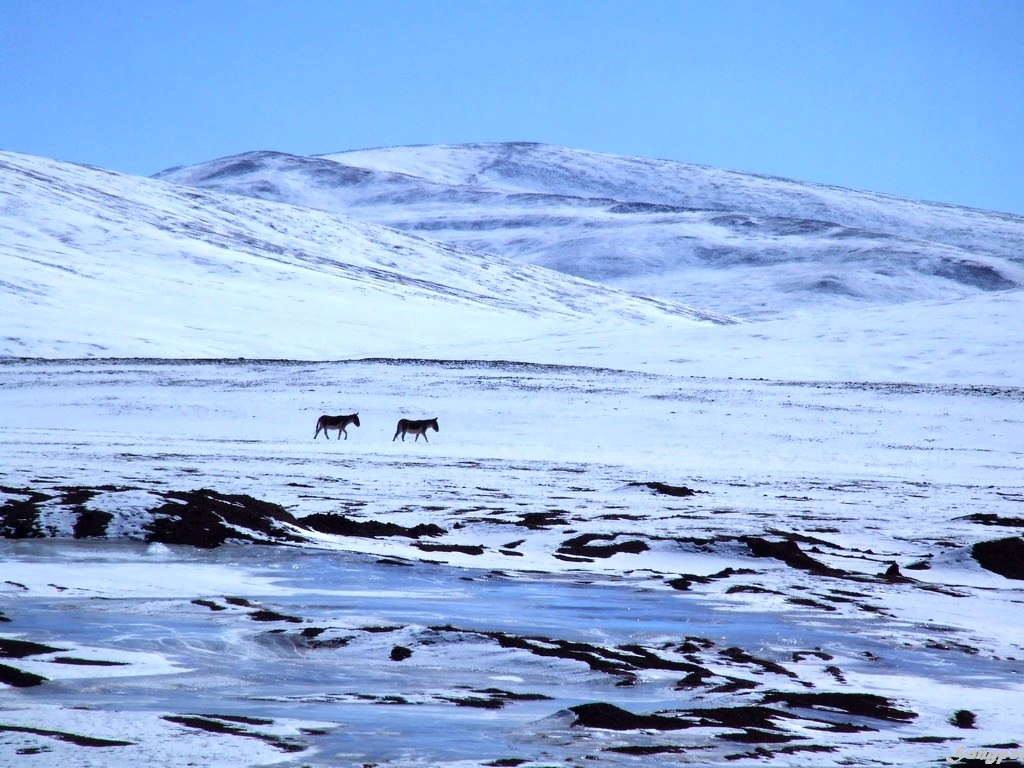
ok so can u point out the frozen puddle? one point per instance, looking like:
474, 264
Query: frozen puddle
259, 655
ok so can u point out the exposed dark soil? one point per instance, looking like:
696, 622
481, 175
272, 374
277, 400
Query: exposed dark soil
340, 525
1002, 556
860, 704
207, 519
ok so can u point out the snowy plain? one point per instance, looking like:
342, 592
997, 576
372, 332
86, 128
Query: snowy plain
645, 534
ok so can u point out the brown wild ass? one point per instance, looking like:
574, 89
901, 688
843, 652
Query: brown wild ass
337, 423
416, 427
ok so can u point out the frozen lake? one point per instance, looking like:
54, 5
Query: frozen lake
311, 637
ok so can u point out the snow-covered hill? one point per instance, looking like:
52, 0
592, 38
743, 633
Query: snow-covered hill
732, 242
96, 263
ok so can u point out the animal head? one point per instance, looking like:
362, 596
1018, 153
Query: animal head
433, 423
355, 419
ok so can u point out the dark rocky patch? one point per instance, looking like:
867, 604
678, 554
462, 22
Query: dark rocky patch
223, 725
206, 519
792, 750
621, 661
742, 657
654, 749
71, 738
388, 699
19, 679
201, 518
806, 602
477, 702
243, 719
988, 518
816, 653
612, 718
757, 736
684, 581
19, 649
766, 754
680, 491
465, 549
572, 558
790, 553
581, 546
695, 645
498, 693
19, 518
963, 718
1002, 556
860, 704
751, 589
760, 718
400, 653
266, 615
970, 650
836, 673
893, 576
340, 525
541, 520
88, 662
309, 638
735, 684
91, 524
209, 604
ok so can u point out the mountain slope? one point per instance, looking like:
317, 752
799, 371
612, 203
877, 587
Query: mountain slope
99, 263
737, 243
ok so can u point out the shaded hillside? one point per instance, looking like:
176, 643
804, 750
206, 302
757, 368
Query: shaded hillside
99, 263
736, 243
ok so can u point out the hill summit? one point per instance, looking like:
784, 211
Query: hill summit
734, 243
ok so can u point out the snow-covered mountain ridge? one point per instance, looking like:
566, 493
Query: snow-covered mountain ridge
99, 263
733, 242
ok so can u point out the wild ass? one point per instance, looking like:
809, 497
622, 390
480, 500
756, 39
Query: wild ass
337, 423
416, 427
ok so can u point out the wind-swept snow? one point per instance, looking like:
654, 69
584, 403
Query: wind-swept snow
732, 242
97, 263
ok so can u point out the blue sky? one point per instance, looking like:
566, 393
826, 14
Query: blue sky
919, 99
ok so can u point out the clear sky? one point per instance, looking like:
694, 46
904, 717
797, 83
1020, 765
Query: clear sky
918, 98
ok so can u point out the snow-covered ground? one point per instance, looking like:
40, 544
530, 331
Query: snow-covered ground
644, 534
769, 581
